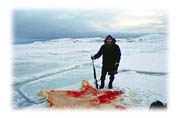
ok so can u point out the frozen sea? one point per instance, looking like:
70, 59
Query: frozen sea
64, 63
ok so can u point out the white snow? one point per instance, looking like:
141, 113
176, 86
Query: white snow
64, 63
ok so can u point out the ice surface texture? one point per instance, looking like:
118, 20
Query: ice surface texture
63, 63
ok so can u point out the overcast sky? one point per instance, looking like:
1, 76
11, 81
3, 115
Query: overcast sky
29, 24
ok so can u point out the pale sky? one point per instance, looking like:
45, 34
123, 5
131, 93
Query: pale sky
70, 23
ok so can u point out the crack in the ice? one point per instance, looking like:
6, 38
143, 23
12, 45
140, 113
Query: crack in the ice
30, 100
144, 72
44, 75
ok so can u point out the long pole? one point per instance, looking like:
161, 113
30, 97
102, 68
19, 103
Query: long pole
95, 79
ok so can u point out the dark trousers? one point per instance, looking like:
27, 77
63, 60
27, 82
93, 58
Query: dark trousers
103, 77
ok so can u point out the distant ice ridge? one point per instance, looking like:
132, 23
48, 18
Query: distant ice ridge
70, 40
153, 37
144, 38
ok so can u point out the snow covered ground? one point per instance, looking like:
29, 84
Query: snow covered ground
64, 63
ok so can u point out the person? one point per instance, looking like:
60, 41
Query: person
111, 55
158, 105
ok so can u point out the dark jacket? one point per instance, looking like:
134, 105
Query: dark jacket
111, 54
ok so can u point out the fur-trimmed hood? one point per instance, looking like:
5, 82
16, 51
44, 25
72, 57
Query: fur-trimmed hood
113, 39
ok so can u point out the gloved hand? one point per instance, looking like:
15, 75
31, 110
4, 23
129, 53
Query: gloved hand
92, 57
116, 65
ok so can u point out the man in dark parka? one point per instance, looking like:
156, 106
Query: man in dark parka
111, 55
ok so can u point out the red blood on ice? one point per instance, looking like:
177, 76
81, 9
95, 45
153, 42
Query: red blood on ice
86, 97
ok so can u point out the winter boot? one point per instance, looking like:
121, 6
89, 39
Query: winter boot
111, 81
102, 84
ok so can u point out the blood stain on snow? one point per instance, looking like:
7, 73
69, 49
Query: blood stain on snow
86, 97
